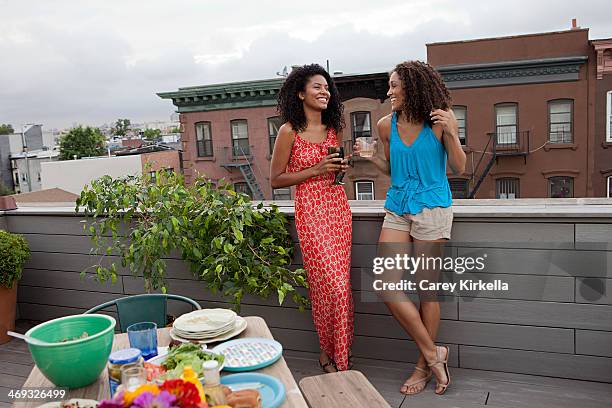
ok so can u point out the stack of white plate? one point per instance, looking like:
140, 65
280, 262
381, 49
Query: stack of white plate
207, 325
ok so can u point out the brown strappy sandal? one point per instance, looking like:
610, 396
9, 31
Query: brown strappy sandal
329, 363
444, 365
425, 379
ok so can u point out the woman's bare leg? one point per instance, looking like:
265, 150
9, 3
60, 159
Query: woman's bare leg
404, 310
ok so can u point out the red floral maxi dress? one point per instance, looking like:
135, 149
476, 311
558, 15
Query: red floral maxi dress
324, 224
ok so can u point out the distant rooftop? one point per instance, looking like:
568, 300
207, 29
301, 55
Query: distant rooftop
509, 37
51, 197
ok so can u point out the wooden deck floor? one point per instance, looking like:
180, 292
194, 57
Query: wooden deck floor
470, 388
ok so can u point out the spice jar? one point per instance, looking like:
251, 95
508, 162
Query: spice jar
119, 359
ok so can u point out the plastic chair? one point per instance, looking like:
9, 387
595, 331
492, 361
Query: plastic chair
143, 308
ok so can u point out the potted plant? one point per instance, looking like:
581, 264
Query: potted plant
14, 252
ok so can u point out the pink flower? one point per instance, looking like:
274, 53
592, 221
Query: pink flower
147, 400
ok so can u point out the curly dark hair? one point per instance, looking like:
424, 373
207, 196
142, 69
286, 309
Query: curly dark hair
291, 107
424, 90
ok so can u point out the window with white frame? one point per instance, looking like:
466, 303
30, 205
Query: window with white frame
361, 124
609, 186
506, 123
240, 138
507, 188
561, 187
560, 121
609, 116
274, 125
281, 193
461, 115
364, 190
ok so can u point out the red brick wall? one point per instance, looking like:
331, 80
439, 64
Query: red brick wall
161, 160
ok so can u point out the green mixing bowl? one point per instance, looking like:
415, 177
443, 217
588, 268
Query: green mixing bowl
73, 360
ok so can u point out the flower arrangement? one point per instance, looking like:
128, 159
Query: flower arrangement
170, 394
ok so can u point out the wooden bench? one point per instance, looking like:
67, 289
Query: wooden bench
342, 389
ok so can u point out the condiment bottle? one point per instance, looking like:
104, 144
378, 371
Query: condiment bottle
118, 359
212, 383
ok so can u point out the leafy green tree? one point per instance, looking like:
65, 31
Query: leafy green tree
152, 134
233, 246
175, 130
6, 129
121, 127
82, 142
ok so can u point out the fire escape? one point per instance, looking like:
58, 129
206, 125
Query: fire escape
506, 142
239, 157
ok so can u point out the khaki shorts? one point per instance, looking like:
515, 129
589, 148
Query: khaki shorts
428, 225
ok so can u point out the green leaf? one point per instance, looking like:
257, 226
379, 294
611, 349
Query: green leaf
281, 296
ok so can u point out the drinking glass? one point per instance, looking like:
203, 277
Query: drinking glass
143, 336
133, 376
339, 175
367, 146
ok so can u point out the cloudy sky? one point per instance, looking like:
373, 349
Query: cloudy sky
91, 62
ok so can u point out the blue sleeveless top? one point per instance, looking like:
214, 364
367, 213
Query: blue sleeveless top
418, 173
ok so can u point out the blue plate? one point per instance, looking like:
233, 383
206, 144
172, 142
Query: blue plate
248, 354
272, 392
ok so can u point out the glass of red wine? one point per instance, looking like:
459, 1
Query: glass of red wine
339, 175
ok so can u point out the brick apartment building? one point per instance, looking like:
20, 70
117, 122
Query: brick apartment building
229, 130
602, 177
532, 115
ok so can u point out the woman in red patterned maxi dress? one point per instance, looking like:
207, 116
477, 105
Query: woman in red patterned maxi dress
311, 109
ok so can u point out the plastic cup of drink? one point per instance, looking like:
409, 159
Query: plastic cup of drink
366, 146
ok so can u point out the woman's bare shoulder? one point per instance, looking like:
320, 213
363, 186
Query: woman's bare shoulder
384, 126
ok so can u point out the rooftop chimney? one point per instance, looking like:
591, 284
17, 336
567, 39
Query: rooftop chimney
574, 25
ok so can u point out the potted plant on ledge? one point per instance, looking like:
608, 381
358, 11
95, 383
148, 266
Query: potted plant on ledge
14, 252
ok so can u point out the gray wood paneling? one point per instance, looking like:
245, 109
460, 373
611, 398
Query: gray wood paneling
366, 232
522, 287
549, 314
46, 224
175, 268
511, 234
476, 333
40, 312
63, 297
3, 223
70, 244
594, 343
363, 346
538, 363
369, 302
594, 236
530, 329
594, 290
68, 280
544, 262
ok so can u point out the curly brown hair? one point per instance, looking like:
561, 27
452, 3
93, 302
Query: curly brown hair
291, 108
424, 90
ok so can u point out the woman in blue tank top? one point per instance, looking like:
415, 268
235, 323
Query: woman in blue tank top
418, 137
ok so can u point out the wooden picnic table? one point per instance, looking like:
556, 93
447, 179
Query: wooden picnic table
99, 390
